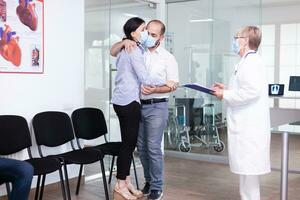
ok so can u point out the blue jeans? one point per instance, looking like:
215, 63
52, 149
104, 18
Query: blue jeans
20, 174
153, 122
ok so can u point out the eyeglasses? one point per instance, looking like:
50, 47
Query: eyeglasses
237, 37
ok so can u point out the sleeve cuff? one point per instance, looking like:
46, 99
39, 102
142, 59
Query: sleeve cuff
226, 94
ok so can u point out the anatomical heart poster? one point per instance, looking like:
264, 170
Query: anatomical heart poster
21, 36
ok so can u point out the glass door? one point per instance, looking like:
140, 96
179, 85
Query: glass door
104, 20
119, 14
200, 39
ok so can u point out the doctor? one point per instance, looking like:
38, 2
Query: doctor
248, 115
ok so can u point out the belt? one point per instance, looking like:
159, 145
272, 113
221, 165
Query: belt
152, 101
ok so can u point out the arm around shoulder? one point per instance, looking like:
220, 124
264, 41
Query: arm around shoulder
129, 46
116, 48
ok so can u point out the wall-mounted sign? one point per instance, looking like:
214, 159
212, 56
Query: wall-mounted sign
21, 36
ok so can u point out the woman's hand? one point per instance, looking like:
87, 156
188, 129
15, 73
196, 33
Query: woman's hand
129, 45
218, 85
218, 93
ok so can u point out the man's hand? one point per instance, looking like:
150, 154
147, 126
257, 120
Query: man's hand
172, 85
129, 45
146, 89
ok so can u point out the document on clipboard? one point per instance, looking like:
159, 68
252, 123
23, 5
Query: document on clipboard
199, 87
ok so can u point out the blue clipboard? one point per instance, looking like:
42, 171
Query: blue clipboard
198, 87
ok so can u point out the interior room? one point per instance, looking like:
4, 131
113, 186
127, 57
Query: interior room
62, 62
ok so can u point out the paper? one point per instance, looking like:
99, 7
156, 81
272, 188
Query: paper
198, 87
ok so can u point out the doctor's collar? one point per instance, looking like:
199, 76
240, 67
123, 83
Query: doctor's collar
248, 52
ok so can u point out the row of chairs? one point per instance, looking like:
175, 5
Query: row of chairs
52, 129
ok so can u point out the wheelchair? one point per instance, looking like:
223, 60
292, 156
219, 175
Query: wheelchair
202, 130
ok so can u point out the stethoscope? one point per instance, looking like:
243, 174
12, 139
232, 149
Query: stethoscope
244, 57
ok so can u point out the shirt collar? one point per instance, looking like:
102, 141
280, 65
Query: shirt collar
142, 48
157, 50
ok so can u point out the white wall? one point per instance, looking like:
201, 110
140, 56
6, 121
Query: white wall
61, 86
288, 13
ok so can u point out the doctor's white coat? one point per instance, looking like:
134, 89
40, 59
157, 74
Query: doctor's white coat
248, 117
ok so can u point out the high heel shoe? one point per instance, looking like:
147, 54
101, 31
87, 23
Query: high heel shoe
135, 192
124, 194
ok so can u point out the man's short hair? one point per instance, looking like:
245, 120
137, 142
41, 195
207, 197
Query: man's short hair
254, 35
162, 25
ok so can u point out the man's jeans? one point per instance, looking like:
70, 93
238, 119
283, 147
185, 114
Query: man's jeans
153, 122
19, 173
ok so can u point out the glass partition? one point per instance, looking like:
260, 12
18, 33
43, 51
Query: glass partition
104, 22
200, 38
199, 34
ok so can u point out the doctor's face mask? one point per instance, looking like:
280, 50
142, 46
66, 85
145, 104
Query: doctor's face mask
235, 46
238, 43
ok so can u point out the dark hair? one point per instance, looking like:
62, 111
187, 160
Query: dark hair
131, 25
162, 25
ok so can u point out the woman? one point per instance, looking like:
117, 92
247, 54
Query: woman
131, 74
248, 114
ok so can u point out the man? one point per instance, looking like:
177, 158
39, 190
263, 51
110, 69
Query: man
20, 174
160, 63
248, 115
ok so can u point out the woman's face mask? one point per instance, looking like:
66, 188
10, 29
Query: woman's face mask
147, 40
235, 46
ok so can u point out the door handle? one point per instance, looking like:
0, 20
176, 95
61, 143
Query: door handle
110, 79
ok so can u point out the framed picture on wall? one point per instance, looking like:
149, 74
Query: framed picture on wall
22, 36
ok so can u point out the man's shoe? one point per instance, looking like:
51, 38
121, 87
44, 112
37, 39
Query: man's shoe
155, 195
146, 189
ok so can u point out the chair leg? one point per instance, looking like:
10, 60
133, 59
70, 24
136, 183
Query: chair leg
63, 189
37, 189
67, 181
104, 180
79, 179
135, 174
42, 187
111, 169
7, 189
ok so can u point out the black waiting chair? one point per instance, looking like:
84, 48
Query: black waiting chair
14, 137
89, 123
7, 187
53, 129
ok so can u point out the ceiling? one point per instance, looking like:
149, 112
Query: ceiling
104, 3
232, 3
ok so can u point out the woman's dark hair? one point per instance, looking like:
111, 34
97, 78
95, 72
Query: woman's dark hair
131, 25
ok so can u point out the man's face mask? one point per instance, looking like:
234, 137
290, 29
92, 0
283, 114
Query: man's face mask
147, 40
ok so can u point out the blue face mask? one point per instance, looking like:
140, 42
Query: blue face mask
147, 40
235, 46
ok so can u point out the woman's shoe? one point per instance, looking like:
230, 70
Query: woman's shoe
123, 194
135, 192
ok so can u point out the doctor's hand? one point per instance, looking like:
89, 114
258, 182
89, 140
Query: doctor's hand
129, 45
218, 85
218, 93
147, 89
